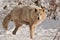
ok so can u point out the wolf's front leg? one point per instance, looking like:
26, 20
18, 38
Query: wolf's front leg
32, 27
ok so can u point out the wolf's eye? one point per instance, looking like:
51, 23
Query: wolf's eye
40, 14
37, 14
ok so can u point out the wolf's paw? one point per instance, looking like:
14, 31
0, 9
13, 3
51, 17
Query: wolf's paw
14, 33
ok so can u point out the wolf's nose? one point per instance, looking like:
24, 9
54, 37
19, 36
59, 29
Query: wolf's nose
38, 18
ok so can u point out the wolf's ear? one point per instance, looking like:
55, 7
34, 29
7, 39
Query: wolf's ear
42, 7
35, 10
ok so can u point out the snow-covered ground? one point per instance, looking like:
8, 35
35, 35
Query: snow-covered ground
45, 31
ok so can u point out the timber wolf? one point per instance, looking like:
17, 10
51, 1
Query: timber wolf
30, 15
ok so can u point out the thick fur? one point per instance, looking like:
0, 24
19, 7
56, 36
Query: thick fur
31, 15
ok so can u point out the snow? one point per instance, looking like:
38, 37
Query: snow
45, 31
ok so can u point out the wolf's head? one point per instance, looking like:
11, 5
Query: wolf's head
40, 13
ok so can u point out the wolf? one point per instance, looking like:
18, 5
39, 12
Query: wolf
30, 15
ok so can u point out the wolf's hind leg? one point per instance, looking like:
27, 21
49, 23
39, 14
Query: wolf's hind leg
17, 24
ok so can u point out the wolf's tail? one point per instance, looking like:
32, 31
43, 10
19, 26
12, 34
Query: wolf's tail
6, 21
